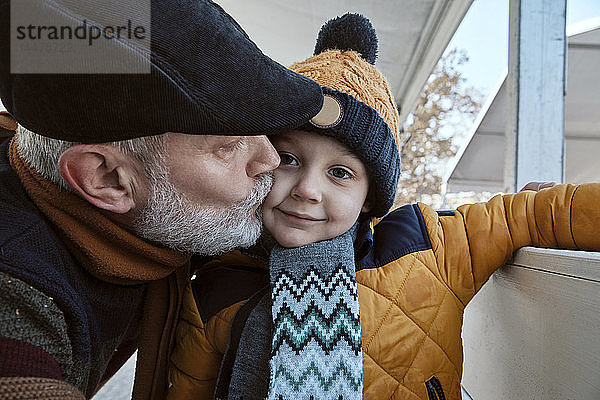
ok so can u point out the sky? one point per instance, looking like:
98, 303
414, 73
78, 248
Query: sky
483, 33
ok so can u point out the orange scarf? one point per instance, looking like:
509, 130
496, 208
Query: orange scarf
113, 254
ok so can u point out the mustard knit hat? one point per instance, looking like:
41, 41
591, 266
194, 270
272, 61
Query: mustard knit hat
359, 109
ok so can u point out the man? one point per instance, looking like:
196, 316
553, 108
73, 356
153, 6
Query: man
112, 180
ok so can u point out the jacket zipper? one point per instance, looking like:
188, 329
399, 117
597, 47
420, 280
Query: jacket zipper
434, 389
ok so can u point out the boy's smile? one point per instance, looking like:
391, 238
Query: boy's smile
319, 190
298, 218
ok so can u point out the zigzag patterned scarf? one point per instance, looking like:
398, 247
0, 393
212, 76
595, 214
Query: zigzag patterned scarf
316, 346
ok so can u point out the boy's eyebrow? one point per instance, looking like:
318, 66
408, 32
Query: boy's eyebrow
281, 139
350, 153
346, 151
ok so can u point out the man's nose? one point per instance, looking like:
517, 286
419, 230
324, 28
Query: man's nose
307, 188
264, 157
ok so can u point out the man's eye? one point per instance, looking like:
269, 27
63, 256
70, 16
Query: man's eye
287, 159
340, 173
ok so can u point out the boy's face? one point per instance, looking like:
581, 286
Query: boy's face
319, 190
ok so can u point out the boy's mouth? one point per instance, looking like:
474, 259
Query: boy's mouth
298, 217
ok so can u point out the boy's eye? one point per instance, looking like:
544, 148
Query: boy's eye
287, 159
340, 173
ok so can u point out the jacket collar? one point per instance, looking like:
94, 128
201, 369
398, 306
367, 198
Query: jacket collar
363, 244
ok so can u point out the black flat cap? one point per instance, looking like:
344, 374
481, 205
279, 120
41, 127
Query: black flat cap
202, 75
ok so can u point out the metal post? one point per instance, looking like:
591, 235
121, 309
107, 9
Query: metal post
536, 88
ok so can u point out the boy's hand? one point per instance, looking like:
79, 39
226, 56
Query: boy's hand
537, 186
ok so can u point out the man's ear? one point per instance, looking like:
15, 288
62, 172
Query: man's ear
101, 174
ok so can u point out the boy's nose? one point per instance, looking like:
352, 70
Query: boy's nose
307, 189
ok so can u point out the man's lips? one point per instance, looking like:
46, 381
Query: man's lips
298, 217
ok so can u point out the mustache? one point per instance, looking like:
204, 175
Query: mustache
262, 186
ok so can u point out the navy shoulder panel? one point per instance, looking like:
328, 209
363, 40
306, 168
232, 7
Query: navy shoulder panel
399, 233
445, 213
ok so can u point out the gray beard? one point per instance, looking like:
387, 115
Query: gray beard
172, 220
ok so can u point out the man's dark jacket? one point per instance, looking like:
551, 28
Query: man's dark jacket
57, 321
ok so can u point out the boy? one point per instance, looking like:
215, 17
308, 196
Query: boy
290, 309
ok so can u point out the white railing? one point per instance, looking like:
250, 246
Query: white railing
533, 331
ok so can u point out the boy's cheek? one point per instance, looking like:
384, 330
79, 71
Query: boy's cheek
276, 196
267, 216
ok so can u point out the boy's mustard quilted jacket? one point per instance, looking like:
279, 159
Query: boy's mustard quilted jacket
416, 270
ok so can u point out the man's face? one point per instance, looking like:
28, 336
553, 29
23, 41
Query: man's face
217, 170
319, 189
204, 192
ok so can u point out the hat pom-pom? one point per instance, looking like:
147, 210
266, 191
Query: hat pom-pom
349, 32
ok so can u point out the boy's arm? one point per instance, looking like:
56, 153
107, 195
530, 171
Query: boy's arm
470, 245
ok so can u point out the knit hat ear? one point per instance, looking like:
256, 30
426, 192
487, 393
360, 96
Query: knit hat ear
362, 113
